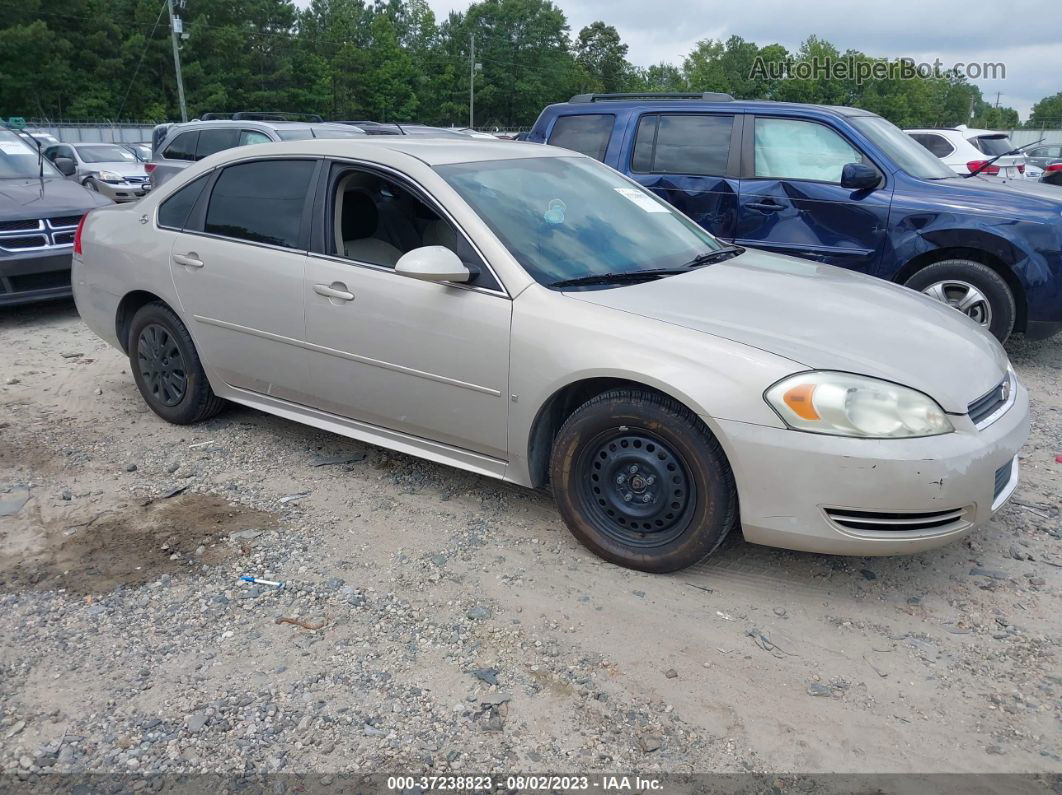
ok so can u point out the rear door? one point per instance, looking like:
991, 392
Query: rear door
238, 265
691, 161
792, 201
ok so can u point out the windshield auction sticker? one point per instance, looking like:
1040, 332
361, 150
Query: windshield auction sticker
642, 200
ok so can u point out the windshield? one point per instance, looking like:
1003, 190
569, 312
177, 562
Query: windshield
992, 145
909, 155
19, 161
571, 217
105, 153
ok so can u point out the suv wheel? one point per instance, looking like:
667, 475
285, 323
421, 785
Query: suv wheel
974, 289
641, 482
166, 367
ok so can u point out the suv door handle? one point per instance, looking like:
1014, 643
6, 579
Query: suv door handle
767, 205
189, 260
336, 290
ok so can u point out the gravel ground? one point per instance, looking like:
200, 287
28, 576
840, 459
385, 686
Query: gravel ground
437, 621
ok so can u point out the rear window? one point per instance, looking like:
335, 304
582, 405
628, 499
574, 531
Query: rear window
992, 145
261, 202
937, 144
211, 141
183, 146
682, 143
587, 134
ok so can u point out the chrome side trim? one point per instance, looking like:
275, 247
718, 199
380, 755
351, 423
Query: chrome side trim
309, 346
1008, 490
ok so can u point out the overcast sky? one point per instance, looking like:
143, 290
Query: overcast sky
1026, 35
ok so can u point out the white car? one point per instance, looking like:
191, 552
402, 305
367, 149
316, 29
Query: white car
965, 149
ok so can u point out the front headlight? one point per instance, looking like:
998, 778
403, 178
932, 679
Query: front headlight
110, 176
842, 404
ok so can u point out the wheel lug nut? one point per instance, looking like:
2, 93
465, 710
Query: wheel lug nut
621, 478
646, 497
633, 469
628, 497
649, 481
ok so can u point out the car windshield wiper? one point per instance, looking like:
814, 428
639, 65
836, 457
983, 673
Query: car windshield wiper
618, 278
1016, 150
719, 255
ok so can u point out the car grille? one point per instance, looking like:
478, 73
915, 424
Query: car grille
983, 410
1003, 478
136, 180
49, 233
875, 522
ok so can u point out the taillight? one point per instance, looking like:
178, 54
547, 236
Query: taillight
1021, 168
1054, 167
974, 165
77, 234
149, 167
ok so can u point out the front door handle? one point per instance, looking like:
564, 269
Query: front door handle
767, 206
336, 290
189, 260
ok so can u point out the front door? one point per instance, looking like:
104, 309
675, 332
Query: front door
422, 358
238, 265
685, 158
792, 201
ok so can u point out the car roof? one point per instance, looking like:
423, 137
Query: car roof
254, 123
431, 151
739, 105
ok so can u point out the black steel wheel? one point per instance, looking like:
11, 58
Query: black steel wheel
161, 365
166, 367
642, 482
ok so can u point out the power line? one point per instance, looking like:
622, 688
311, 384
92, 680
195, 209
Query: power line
143, 52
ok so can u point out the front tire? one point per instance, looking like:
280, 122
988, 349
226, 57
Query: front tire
974, 289
641, 482
167, 369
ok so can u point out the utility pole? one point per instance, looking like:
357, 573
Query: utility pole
177, 61
472, 85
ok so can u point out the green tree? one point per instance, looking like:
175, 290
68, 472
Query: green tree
602, 56
1047, 112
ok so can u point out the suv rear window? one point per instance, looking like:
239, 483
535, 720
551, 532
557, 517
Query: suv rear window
992, 145
261, 202
183, 146
587, 134
682, 143
211, 141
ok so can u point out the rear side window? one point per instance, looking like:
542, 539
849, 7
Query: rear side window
251, 137
211, 141
587, 134
183, 146
684, 143
937, 144
173, 213
295, 135
261, 202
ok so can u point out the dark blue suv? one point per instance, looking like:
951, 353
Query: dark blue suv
835, 185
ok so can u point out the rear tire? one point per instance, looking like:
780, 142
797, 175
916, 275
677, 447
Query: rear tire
167, 369
972, 288
641, 482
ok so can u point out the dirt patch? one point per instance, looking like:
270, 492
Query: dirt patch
131, 545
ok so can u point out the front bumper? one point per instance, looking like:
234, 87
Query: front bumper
800, 490
123, 191
30, 276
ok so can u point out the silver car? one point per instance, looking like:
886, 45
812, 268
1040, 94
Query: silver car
110, 169
529, 314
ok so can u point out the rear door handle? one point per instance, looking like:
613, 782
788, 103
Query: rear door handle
336, 290
189, 260
767, 206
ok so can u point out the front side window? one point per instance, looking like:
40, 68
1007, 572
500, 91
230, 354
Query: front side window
211, 141
183, 146
587, 134
937, 144
682, 143
173, 212
795, 149
252, 137
261, 202
567, 218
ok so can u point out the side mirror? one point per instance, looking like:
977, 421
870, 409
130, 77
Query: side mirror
433, 264
859, 176
66, 166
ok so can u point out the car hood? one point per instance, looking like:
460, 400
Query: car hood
34, 198
825, 318
1012, 198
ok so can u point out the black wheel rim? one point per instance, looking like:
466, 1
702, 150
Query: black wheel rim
635, 488
161, 365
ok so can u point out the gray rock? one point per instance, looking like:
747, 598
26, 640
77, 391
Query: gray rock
12, 501
671, 673
16, 729
650, 742
477, 613
820, 690
195, 723
995, 574
130, 467
488, 675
